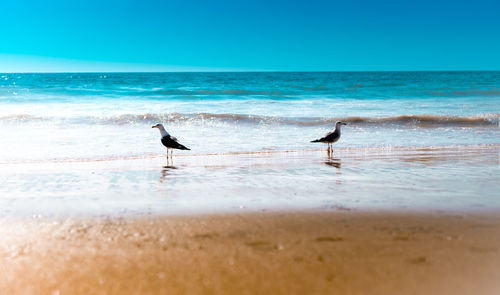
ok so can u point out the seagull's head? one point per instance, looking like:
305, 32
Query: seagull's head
159, 126
338, 124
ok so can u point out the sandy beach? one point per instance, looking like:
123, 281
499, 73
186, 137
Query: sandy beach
367, 221
341, 252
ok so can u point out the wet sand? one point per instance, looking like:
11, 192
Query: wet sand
311, 252
396, 178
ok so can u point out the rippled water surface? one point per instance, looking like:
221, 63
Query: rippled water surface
84, 143
445, 178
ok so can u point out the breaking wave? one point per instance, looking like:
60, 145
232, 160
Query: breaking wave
422, 121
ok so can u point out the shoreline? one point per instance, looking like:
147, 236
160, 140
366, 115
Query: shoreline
344, 151
341, 252
423, 178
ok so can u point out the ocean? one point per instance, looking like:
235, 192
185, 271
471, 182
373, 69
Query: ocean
80, 118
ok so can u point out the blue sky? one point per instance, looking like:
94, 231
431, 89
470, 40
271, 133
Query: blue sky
187, 35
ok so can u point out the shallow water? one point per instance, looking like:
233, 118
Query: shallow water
445, 178
83, 143
46, 117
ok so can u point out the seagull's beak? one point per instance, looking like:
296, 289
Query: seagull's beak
344, 123
153, 126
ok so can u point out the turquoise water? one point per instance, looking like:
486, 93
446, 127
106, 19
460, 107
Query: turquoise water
83, 143
67, 116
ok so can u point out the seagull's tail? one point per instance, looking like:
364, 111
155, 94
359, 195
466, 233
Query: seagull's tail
317, 140
181, 147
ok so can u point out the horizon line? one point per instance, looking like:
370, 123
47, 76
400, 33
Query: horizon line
244, 71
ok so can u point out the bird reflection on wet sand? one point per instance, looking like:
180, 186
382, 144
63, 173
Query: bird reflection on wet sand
334, 162
165, 172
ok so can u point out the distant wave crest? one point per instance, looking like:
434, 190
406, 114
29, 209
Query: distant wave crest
423, 121
218, 92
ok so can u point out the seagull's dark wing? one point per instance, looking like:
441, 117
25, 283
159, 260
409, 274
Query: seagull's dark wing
332, 136
329, 137
171, 142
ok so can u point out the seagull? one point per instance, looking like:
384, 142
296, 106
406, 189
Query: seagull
331, 137
169, 141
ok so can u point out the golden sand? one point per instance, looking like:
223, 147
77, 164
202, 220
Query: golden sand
258, 253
